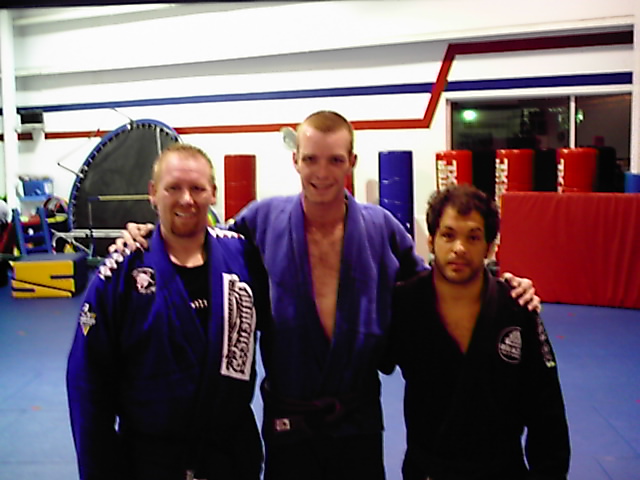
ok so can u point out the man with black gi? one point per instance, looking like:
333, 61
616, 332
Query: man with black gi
479, 368
161, 373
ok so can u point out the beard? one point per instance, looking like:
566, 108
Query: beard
187, 227
461, 275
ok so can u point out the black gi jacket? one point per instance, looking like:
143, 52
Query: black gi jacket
466, 413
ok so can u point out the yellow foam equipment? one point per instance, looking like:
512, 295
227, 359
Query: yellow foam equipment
42, 275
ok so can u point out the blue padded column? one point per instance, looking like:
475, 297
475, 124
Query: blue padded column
631, 182
395, 173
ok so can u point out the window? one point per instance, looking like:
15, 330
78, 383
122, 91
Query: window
493, 124
544, 124
605, 121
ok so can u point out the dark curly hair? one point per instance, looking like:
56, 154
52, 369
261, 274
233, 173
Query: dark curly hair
464, 199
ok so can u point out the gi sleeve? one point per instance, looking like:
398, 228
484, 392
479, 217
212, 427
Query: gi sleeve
243, 223
403, 249
92, 381
547, 446
393, 342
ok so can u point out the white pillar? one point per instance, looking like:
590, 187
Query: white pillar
635, 96
572, 121
9, 112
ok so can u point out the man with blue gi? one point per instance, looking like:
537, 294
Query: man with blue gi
331, 263
479, 368
161, 372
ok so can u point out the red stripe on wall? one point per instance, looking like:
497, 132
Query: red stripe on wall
453, 50
60, 135
269, 127
440, 85
524, 44
544, 43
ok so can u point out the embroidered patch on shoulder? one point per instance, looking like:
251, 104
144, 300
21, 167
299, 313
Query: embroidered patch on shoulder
239, 328
87, 318
145, 278
510, 345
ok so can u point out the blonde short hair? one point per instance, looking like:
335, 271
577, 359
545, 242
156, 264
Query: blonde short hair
327, 121
185, 148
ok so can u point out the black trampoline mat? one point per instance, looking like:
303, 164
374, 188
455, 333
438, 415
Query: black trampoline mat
119, 166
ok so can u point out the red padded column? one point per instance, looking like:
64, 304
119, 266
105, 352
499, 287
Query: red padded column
239, 183
454, 167
577, 169
514, 171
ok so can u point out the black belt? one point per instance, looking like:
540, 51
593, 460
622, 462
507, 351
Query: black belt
311, 416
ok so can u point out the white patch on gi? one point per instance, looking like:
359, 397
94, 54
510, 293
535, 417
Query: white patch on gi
104, 272
239, 328
220, 233
117, 256
87, 318
110, 263
510, 345
145, 278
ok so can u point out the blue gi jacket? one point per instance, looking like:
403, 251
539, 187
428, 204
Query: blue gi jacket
300, 362
180, 397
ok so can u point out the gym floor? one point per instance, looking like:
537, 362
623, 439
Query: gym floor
598, 352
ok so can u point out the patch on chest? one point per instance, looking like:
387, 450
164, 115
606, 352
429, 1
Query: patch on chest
145, 279
510, 345
239, 328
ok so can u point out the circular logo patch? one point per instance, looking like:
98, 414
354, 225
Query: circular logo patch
510, 345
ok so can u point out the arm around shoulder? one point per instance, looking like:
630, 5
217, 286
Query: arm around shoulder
404, 249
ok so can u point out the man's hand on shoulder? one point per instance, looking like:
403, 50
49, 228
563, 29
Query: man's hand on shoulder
523, 291
133, 237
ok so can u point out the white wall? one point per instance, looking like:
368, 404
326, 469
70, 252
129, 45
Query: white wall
210, 32
69, 59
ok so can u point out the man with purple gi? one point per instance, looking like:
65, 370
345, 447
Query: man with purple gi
161, 372
332, 263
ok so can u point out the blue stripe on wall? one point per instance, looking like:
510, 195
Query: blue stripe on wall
621, 78
243, 97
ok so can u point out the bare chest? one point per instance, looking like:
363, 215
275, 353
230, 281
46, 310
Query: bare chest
325, 252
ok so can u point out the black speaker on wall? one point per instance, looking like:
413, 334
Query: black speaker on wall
31, 120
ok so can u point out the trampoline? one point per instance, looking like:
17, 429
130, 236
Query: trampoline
111, 186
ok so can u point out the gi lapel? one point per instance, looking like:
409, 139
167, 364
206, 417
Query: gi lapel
306, 310
356, 316
177, 312
216, 264
473, 384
